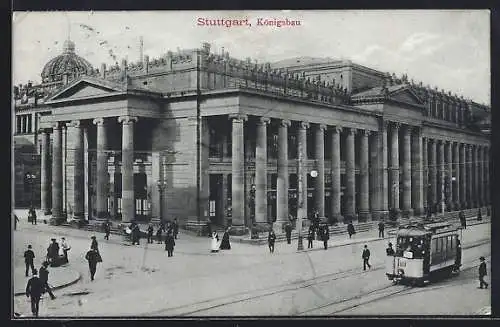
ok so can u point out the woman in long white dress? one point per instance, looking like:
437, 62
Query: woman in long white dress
214, 243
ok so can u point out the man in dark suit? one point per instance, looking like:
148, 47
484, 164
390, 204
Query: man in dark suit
92, 257
482, 273
107, 229
44, 279
29, 255
288, 231
381, 228
169, 244
34, 289
366, 257
175, 227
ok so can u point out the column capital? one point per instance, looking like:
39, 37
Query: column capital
336, 129
99, 121
75, 123
44, 131
285, 123
303, 125
395, 125
127, 119
238, 117
56, 125
263, 121
321, 127
365, 132
351, 131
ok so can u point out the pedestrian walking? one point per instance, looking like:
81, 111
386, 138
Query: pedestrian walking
44, 278
288, 232
169, 244
310, 238
316, 221
162, 226
389, 251
479, 215
271, 238
150, 233
65, 247
93, 258
34, 289
107, 230
326, 236
94, 245
366, 257
214, 242
381, 228
482, 273
53, 253
170, 227
350, 229
158, 234
463, 221
32, 215
175, 228
29, 255
136, 234
225, 244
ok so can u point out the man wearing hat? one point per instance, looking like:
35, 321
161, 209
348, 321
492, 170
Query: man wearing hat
482, 273
29, 255
34, 289
94, 245
53, 251
44, 279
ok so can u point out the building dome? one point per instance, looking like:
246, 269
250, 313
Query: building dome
67, 63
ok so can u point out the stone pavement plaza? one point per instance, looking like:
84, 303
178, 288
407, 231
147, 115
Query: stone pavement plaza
141, 280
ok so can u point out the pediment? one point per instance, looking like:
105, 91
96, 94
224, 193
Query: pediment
84, 89
406, 95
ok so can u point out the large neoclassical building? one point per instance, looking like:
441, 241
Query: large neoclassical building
206, 137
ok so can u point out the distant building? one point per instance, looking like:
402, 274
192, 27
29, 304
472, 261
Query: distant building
189, 134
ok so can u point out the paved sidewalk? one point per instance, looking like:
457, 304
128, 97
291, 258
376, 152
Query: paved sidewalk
59, 277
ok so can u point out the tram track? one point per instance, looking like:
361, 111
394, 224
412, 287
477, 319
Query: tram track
207, 305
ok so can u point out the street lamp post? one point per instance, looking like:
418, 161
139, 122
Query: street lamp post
161, 186
252, 206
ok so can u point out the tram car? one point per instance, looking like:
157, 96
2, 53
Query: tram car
424, 250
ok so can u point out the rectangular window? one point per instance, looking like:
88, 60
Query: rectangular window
119, 205
212, 208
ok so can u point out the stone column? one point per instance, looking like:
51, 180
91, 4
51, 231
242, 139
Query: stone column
441, 173
378, 169
57, 177
364, 172
463, 175
78, 171
335, 172
479, 176
320, 180
395, 169
384, 170
472, 176
238, 166
425, 177
449, 175
282, 183
302, 169
433, 175
128, 194
456, 174
102, 169
350, 176
407, 159
86, 171
261, 172
417, 183
45, 173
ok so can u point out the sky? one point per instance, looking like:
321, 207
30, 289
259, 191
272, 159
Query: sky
448, 49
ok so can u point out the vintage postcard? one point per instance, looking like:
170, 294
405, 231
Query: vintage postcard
251, 163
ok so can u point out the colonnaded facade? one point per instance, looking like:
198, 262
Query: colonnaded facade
206, 137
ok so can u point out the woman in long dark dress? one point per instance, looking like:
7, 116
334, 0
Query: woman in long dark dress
225, 245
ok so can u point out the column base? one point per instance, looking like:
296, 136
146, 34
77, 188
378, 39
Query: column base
336, 218
350, 217
380, 215
200, 227
394, 214
79, 223
407, 213
47, 212
418, 212
238, 230
102, 215
365, 216
56, 221
279, 226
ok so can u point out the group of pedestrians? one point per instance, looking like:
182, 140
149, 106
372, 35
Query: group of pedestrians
224, 244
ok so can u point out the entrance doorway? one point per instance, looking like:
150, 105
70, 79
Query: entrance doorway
216, 200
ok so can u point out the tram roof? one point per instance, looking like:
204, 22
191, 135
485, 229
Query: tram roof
412, 232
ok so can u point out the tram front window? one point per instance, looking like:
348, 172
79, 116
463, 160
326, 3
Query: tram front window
410, 247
